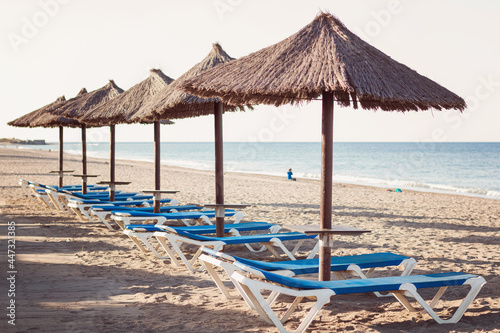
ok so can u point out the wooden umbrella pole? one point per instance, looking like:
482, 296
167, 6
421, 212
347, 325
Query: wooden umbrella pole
61, 157
84, 158
219, 167
326, 185
157, 166
112, 163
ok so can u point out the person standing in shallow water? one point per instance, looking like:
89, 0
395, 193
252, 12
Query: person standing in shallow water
290, 174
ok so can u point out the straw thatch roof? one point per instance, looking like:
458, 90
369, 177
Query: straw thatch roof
83, 103
323, 57
124, 106
43, 118
174, 103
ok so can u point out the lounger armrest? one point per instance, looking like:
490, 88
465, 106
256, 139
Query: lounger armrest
139, 229
217, 254
174, 238
165, 227
127, 216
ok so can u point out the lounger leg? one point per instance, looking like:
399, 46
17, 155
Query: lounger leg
475, 284
437, 297
120, 223
314, 251
168, 250
43, 199
136, 241
61, 202
204, 221
46, 200
235, 233
271, 249
195, 258
83, 211
320, 302
297, 246
210, 264
76, 210
402, 299
291, 309
210, 269
86, 214
101, 216
253, 291
106, 223
54, 201
145, 239
33, 192
276, 242
25, 188
174, 250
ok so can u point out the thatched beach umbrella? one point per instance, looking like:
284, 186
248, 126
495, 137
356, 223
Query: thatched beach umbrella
84, 103
324, 59
174, 103
120, 110
43, 118
29, 119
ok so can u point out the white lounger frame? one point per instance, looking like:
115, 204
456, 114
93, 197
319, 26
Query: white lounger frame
253, 289
104, 215
211, 262
58, 199
171, 243
41, 196
82, 210
26, 188
143, 239
123, 219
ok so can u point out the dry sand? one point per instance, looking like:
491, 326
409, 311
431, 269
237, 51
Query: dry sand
81, 277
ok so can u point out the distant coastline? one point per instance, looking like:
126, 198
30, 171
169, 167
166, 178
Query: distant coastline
13, 141
457, 168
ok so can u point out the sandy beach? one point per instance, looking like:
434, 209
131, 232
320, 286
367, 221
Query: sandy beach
77, 276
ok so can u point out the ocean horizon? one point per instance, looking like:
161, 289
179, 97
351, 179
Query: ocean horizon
466, 168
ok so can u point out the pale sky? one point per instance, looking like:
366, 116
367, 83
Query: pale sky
50, 48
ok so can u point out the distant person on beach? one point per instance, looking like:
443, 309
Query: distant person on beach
290, 174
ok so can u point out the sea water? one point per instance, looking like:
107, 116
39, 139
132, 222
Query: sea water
464, 168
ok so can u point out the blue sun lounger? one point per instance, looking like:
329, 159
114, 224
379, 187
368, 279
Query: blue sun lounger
81, 207
171, 238
340, 266
253, 283
37, 191
102, 212
142, 234
61, 198
104, 196
29, 187
123, 218
93, 187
